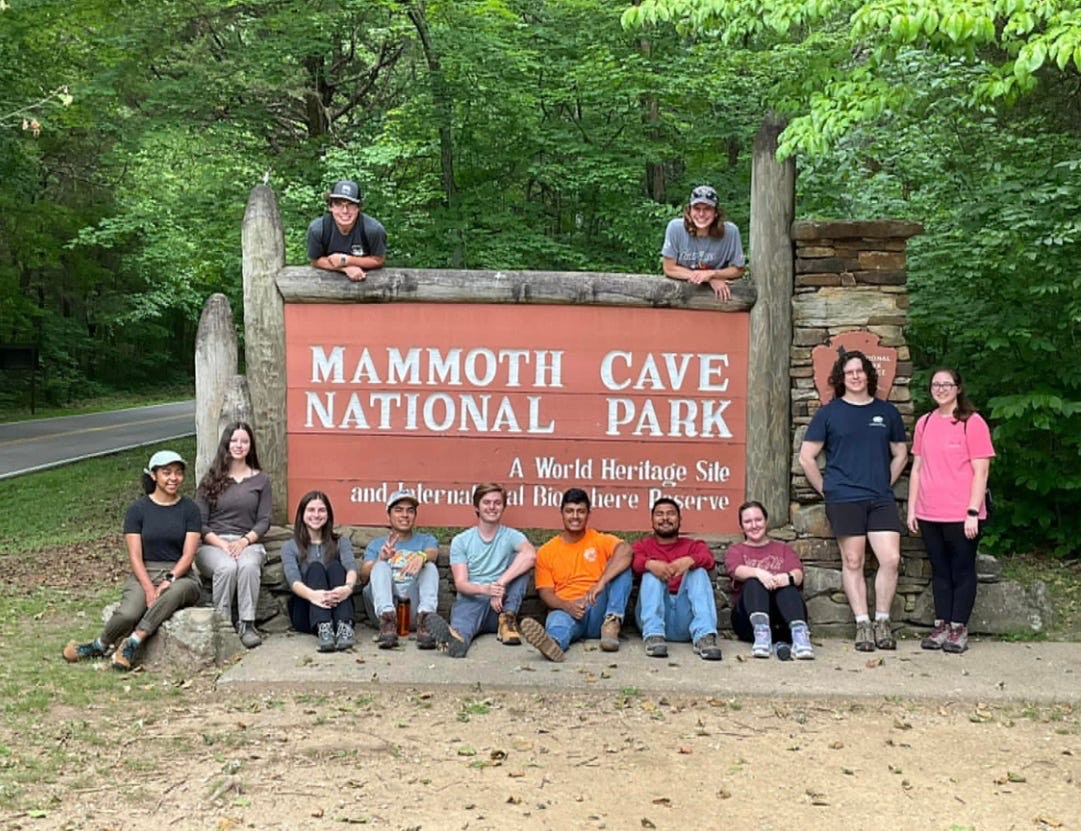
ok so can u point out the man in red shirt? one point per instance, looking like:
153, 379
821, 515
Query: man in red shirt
675, 600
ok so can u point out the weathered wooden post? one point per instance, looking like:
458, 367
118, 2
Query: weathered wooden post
263, 248
773, 206
215, 364
236, 404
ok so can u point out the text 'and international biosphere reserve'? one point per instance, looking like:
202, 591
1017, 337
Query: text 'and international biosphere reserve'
629, 404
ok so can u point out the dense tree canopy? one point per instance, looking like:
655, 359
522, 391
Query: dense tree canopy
550, 134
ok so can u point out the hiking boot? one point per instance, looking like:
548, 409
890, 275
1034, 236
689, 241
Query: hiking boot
388, 630
783, 650
536, 637
248, 636
937, 637
425, 638
344, 637
124, 656
865, 637
508, 629
81, 651
656, 647
707, 649
957, 642
763, 641
884, 634
444, 635
801, 643
325, 634
610, 633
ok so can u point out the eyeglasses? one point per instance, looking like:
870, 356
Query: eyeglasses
943, 385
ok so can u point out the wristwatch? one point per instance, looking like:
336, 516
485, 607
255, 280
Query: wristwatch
973, 512
342, 259
170, 577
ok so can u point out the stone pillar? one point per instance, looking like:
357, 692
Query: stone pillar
263, 249
215, 365
773, 204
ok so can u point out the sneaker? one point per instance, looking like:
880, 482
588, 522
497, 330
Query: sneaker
610, 633
957, 642
425, 638
783, 650
248, 636
656, 646
707, 649
388, 630
344, 637
801, 643
937, 637
508, 629
81, 651
865, 637
884, 635
536, 637
444, 635
325, 634
763, 641
124, 656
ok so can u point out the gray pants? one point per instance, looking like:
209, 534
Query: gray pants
422, 591
132, 612
239, 577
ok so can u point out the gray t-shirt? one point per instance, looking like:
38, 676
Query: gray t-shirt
242, 507
703, 252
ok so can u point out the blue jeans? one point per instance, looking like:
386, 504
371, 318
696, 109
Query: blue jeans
685, 616
612, 601
472, 615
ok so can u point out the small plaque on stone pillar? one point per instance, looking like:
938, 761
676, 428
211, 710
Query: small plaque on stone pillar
825, 355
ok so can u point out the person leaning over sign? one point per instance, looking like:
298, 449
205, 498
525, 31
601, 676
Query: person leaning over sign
345, 238
864, 440
321, 571
702, 246
161, 532
951, 457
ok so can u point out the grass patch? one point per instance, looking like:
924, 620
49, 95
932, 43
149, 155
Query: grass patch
99, 403
76, 503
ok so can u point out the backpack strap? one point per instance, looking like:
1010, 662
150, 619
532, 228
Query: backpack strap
328, 229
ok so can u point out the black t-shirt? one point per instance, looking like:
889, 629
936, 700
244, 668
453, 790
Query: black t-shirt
325, 238
162, 527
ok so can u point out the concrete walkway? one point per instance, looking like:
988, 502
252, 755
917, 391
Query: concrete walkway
990, 671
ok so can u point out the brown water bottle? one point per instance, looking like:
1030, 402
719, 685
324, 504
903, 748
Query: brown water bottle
403, 617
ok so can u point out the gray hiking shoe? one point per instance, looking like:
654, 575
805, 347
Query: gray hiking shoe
865, 637
957, 642
325, 634
538, 638
344, 637
248, 636
707, 649
801, 643
936, 638
763, 641
884, 635
656, 647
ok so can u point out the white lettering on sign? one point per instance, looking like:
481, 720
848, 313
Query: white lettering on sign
619, 371
686, 417
433, 367
439, 412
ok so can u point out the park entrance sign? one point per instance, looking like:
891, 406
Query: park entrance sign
629, 404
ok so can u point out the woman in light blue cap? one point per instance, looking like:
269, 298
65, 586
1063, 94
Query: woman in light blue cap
161, 532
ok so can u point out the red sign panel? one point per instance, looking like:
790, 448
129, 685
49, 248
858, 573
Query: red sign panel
628, 404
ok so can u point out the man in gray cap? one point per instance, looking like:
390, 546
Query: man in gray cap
346, 239
401, 564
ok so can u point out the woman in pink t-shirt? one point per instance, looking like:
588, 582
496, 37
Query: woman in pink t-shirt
951, 457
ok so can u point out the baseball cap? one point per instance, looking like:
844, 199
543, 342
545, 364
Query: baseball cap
400, 496
345, 189
704, 195
163, 458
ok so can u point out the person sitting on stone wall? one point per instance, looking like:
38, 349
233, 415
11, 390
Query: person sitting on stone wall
675, 598
401, 566
161, 532
702, 247
321, 571
766, 602
490, 564
345, 238
584, 578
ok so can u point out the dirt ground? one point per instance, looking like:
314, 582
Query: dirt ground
428, 759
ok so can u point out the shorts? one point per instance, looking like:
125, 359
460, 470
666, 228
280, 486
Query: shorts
855, 519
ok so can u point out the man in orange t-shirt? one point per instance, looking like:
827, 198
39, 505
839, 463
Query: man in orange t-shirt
584, 578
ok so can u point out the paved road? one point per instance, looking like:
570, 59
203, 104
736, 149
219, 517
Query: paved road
27, 446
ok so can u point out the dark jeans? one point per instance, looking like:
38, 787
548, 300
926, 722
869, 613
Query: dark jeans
953, 569
307, 616
783, 606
